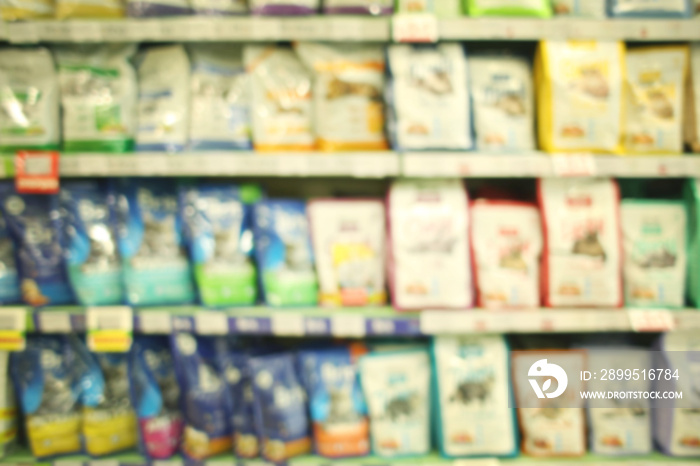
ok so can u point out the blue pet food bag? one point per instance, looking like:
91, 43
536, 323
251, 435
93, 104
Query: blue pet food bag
9, 280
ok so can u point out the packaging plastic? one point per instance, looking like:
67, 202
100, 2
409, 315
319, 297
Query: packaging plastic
473, 396
89, 9
217, 222
430, 259
28, 99
281, 99
219, 7
283, 7
220, 93
503, 99
8, 405
539, 8
284, 254
164, 99
654, 239
507, 243
9, 278
158, 8
358, 7
397, 389
691, 120
582, 255
280, 409
650, 9
154, 262
692, 198
656, 80
428, 97
98, 97
579, 98
348, 239
583, 9
15, 10
348, 86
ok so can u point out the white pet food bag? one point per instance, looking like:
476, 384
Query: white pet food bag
654, 240
582, 263
397, 391
473, 392
348, 239
580, 8
430, 257
656, 80
507, 244
28, 99
503, 99
281, 98
164, 99
429, 94
579, 98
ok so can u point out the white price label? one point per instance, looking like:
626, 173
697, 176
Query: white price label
22, 33
67, 463
155, 322
153, 164
211, 323
54, 322
415, 27
167, 463
13, 319
445, 322
348, 325
287, 324
103, 463
573, 165
382, 326
651, 320
247, 325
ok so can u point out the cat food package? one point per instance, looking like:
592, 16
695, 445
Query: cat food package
397, 391
692, 198
159, 8
656, 79
677, 422
204, 401
348, 86
220, 98
280, 407
90, 9
90, 242
219, 7
503, 98
284, 254
16, 10
358, 7
164, 99
650, 9
553, 424
283, 7
33, 226
28, 99
507, 244
586, 9
691, 120
98, 97
428, 97
538, 8
217, 222
579, 98
337, 404
472, 376
430, 260
9, 424
582, 261
9, 278
154, 263
348, 238
280, 99
654, 240
155, 396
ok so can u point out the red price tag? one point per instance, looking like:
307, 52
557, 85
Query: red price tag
36, 172
416, 27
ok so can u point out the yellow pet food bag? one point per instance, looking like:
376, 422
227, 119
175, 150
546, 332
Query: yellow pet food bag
90, 9
15, 10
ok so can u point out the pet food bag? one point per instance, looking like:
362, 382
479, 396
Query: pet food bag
430, 258
9, 278
280, 407
692, 197
281, 99
584, 9
551, 415
98, 97
539, 8
428, 97
358, 7
220, 98
691, 120
650, 9
507, 244
90, 9
219, 7
8, 405
474, 399
504, 115
579, 98
656, 79
441, 8
348, 239
155, 396
397, 389
28, 99
337, 405
15, 10
158, 8
205, 404
217, 222
33, 225
582, 255
347, 92
164, 99
284, 7
676, 422
90, 243
654, 240
154, 262
284, 254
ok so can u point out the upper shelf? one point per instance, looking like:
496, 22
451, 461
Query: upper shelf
342, 29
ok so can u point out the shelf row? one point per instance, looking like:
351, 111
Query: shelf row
341, 29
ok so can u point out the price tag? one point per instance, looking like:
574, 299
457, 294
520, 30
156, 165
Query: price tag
152, 164
55, 322
110, 329
103, 463
86, 32
13, 328
348, 325
67, 463
287, 324
316, 326
211, 323
417, 27
158, 322
573, 165
445, 322
382, 326
651, 320
36, 172
247, 325
22, 33
167, 463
